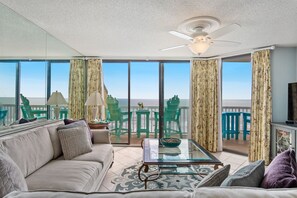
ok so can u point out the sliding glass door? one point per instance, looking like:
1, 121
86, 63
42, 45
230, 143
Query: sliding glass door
144, 101
116, 75
7, 92
151, 98
176, 99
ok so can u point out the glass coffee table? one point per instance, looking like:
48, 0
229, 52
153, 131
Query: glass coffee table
176, 161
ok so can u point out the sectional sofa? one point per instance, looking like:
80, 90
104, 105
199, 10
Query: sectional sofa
38, 154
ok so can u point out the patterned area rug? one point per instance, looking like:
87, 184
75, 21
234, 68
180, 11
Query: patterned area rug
129, 181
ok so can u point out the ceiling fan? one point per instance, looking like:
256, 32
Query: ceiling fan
199, 31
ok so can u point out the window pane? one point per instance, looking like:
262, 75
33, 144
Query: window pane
176, 85
144, 100
60, 83
33, 87
116, 84
7, 93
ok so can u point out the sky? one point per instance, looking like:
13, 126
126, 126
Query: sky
145, 79
236, 78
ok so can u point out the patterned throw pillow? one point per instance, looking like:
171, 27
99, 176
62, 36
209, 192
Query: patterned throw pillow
11, 177
281, 173
215, 178
250, 175
74, 141
75, 123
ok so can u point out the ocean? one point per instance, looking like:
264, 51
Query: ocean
124, 102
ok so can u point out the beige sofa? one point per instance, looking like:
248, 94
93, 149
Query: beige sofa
38, 154
206, 192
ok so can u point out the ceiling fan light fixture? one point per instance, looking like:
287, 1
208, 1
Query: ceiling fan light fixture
199, 46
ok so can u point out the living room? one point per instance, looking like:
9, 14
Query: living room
162, 64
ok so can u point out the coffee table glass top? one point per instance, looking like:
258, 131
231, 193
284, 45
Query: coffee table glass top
188, 152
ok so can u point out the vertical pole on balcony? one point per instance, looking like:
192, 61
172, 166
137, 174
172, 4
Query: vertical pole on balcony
161, 99
129, 116
17, 90
48, 89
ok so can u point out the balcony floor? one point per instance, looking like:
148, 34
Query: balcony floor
237, 146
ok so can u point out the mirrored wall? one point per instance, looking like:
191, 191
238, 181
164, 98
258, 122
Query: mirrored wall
33, 64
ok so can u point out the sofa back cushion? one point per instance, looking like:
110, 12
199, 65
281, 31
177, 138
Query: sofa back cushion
30, 149
12, 178
53, 132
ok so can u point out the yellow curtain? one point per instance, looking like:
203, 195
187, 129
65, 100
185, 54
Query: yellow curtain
261, 107
94, 83
76, 89
204, 119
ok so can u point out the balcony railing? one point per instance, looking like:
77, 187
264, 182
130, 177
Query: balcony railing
184, 117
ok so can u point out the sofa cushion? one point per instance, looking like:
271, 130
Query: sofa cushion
250, 175
11, 177
67, 175
53, 132
29, 150
215, 178
74, 141
100, 153
281, 173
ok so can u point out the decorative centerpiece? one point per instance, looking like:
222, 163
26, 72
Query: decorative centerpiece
140, 105
170, 142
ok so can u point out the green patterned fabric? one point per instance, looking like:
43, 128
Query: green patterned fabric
76, 100
94, 83
204, 123
261, 112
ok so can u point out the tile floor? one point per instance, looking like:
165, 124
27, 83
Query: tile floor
128, 156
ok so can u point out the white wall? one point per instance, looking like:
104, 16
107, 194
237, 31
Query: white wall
283, 71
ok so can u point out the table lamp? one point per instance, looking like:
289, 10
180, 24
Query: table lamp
95, 100
56, 99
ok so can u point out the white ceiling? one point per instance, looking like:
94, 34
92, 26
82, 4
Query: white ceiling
139, 28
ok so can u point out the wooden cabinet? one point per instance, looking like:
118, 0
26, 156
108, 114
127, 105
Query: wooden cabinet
283, 137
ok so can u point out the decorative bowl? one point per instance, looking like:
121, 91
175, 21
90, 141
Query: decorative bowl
170, 142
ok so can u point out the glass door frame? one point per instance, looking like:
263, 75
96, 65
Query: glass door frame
161, 90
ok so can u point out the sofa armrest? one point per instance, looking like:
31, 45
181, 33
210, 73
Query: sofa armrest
101, 136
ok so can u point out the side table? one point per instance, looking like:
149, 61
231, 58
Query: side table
98, 125
146, 129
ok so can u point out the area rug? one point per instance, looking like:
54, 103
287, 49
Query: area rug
129, 181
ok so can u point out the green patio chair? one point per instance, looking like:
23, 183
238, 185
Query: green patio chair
116, 115
27, 111
3, 113
171, 115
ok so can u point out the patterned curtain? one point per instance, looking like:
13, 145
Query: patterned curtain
76, 89
261, 107
95, 83
204, 119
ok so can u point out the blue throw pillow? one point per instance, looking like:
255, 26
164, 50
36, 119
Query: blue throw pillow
250, 175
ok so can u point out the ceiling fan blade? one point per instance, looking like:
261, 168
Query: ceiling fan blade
175, 47
224, 30
180, 35
221, 43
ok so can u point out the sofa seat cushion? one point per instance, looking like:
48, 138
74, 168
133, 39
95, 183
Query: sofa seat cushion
100, 153
68, 175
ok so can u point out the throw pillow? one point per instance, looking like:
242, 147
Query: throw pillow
250, 175
281, 173
78, 122
11, 176
215, 178
74, 141
22, 120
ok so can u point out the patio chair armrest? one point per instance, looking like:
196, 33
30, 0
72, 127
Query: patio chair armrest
101, 136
